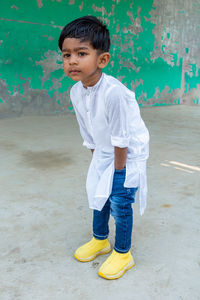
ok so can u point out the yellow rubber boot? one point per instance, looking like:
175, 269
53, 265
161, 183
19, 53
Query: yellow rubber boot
116, 265
92, 249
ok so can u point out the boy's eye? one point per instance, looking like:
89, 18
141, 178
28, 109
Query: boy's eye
66, 55
82, 53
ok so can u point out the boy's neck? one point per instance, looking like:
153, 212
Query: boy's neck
92, 81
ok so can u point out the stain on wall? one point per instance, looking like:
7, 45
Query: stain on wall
155, 51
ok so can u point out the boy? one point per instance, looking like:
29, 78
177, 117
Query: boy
111, 126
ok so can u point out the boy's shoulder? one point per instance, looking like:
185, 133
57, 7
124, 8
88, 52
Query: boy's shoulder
112, 81
115, 87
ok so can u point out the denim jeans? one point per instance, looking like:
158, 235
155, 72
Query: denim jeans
119, 205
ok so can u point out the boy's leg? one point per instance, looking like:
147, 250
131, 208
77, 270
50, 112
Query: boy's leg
100, 222
123, 215
121, 201
99, 243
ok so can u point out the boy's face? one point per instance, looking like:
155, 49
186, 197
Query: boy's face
81, 61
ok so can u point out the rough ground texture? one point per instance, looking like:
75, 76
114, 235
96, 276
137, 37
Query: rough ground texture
44, 213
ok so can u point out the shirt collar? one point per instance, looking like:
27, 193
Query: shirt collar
94, 87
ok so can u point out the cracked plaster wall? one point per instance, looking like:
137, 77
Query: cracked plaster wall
155, 51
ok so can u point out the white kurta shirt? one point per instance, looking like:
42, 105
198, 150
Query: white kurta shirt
109, 116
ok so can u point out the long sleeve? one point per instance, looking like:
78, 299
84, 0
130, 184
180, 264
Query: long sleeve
87, 138
117, 113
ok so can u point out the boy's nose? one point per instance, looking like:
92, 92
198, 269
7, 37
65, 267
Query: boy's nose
72, 60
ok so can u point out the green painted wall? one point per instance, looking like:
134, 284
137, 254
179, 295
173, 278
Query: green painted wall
155, 51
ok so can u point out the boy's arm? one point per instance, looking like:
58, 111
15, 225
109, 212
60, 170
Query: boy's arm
118, 121
87, 138
120, 158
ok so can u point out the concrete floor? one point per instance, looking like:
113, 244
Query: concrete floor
44, 213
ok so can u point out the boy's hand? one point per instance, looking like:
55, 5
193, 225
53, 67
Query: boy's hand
120, 158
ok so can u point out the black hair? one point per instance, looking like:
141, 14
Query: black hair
87, 28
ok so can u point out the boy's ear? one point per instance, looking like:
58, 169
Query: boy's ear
103, 59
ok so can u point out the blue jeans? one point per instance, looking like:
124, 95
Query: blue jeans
119, 205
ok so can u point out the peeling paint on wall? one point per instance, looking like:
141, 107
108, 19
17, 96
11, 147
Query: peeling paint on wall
177, 42
155, 51
39, 2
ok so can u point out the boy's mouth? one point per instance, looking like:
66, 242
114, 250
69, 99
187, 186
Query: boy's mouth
74, 72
